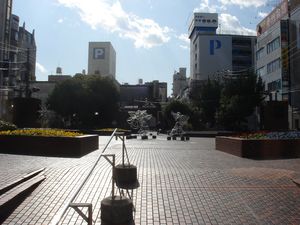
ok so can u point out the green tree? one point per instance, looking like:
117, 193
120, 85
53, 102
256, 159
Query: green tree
90, 101
239, 97
206, 101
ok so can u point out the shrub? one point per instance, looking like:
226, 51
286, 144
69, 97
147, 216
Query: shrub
41, 132
7, 126
270, 135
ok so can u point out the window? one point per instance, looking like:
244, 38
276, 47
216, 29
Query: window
273, 66
273, 45
260, 71
260, 53
195, 56
274, 85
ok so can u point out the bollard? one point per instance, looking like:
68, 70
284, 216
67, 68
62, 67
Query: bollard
125, 176
144, 137
116, 210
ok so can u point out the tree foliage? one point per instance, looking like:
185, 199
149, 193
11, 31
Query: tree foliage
176, 106
206, 101
239, 97
87, 100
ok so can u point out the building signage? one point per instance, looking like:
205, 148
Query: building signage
205, 21
279, 12
284, 58
214, 45
99, 53
215, 56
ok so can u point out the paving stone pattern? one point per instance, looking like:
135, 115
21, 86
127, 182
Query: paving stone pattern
180, 183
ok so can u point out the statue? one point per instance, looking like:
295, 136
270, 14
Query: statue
180, 121
139, 120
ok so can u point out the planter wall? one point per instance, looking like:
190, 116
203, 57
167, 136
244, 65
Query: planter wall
259, 149
48, 146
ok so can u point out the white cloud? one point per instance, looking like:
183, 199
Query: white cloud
184, 38
185, 47
244, 3
231, 25
41, 68
186, 41
110, 16
262, 14
60, 20
206, 7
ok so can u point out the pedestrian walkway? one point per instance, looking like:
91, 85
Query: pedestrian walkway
180, 183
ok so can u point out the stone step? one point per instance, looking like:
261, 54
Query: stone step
17, 182
11, 199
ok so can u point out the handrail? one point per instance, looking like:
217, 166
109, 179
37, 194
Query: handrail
58, 217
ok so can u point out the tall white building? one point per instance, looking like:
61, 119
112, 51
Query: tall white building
102, 59
201, 24
212, 54
179, 82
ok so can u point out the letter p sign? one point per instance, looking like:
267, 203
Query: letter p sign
213, 45
99, 53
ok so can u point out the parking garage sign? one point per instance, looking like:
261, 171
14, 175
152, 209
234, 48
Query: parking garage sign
99, 53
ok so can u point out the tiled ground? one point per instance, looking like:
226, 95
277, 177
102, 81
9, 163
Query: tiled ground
180, 183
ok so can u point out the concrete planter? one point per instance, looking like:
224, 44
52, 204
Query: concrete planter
259, 149
103, 133
48, 146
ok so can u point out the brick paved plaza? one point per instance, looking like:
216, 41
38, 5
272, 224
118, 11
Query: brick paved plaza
180, 183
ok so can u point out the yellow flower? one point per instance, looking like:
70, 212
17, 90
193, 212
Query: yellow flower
42, 132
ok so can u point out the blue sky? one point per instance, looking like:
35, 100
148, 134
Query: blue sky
149, 36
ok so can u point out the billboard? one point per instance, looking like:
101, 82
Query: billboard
206, 19
278, 13
215, 55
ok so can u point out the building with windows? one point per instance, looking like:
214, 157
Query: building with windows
272, 52
277, 57
5, 21
17, 59
136, 94
179, 82
149, 96
102, 59
212, 54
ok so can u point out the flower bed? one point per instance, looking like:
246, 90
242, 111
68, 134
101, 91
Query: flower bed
109, 131
47, 142
41, 132
261, 145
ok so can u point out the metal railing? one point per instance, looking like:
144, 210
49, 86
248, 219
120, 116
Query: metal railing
75, 206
